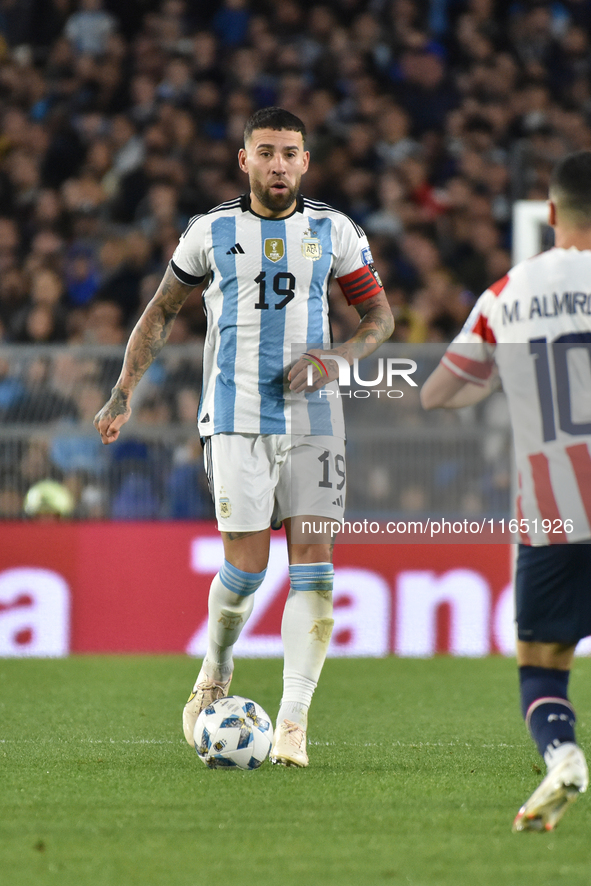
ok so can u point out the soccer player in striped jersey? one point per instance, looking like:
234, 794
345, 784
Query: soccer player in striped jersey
533, 327
274, 446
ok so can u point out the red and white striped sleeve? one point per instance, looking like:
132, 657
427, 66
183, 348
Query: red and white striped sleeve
471, 354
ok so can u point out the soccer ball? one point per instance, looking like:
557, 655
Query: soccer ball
233, 732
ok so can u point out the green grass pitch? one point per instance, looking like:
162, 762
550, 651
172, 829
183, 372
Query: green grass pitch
417, 769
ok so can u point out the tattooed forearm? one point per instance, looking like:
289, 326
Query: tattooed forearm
151, 331
376, 327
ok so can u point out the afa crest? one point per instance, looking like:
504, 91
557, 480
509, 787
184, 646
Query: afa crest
274, 249
225, 507
311, 246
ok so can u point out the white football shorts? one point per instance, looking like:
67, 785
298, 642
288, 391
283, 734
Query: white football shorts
258, 480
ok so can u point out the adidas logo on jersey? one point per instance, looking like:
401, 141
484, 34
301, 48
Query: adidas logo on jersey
338, 501
237, 248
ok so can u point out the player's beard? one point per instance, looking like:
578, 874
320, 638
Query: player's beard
276, 202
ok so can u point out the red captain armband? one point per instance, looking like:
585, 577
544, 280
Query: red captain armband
361, 284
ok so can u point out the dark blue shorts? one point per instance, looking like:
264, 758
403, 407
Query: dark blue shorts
553, 593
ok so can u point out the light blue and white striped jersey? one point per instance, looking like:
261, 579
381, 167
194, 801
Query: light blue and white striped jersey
267, 290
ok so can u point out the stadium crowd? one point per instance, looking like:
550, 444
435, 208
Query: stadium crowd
426, 121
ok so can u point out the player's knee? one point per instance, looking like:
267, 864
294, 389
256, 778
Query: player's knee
240, 582
545, 655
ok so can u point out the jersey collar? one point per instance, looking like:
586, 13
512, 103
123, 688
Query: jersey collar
246, 207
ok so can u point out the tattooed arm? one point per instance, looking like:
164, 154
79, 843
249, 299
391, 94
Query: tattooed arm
376, 327
145, 343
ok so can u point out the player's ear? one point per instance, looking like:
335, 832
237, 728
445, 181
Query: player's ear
551, 214
306, 161
242, 162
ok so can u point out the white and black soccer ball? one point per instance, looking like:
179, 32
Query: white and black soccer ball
233, 732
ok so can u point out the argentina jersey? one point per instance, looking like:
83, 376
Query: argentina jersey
266, 292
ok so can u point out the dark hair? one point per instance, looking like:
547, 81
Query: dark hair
570, 186
274, 118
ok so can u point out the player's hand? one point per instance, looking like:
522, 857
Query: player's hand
111, 418
311, 367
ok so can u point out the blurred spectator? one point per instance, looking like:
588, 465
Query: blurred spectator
35, 464
394, 143
104, 323
187, 494
230, 22
120, 278
39, 402
13, 293
12, 388
82, 280
11, 501
138, 470
136, 499
43, 319
40, 326
10, 243
128, 147
79, 453
176, 85
425, 89
143, 100
89, 28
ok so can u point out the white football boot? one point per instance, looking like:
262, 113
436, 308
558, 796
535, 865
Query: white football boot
204, 693
567, 778
289, 745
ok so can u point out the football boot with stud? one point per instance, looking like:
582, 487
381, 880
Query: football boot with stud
204, 693
289, 745
567, 778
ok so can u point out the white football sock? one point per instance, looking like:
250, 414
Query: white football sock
228, 613
306, 629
